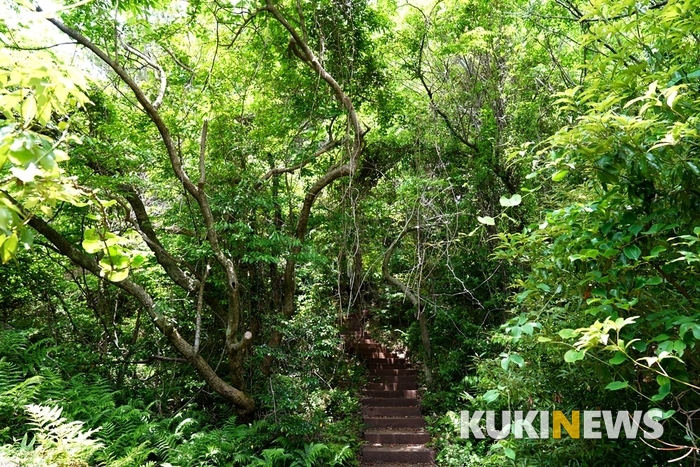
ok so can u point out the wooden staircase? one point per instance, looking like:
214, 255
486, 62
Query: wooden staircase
395, 430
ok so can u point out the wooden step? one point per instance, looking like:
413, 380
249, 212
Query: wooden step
405, 393
386, 363
390, 411
395, 422
376, 436
392, 372
376, 356
414, 453
390, 386
389, 402
393, 379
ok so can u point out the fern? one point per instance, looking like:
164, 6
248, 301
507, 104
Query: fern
309, 456
271, 458
13, 342
58, 438
14, 393
341, 455
56, 441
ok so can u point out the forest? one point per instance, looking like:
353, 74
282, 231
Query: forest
197, 196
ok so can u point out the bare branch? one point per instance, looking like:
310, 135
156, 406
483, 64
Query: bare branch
156, 66
145, 227
431, 97
412, 296
176, 60
282, 170
202, 153
243, 343
200, 303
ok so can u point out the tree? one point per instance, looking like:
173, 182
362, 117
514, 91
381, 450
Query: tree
215, 283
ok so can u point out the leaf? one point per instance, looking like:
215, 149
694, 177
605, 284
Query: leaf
567, 333
664, 388
26, 175
574, 355
559, 176
618, 358
137, 261
510, 454
504, 363
514, 200
492, 395
28, 110
654, 281
632, 252
635, 229
617, 385
544, 339
653, 229
9, 247
486, 220
118, 275
92, 243
672, 97
656, 251
517, 359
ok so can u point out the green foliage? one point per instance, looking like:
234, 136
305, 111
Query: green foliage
533, 166
32, 93
55, 442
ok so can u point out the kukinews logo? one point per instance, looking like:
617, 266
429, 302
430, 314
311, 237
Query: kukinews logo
587, 424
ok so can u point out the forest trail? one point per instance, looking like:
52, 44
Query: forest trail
395, 432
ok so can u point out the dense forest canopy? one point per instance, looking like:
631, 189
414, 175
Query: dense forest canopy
194, 196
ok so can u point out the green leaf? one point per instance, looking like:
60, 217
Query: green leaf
486, 220
137, 261
92, 243
510, 454
617, 385
567, 333
492, 395
505, 362
592, 253
117, 275
658, 414
514, 200
632, 252
8, 248
559, 176
618, 358
653, 229
574, 355
656, 251
654, 281
517, 359
635, 229
664, 388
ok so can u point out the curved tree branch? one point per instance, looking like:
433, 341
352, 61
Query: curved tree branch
207, 216
156, 66
354, 147
237, 397
282, 170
